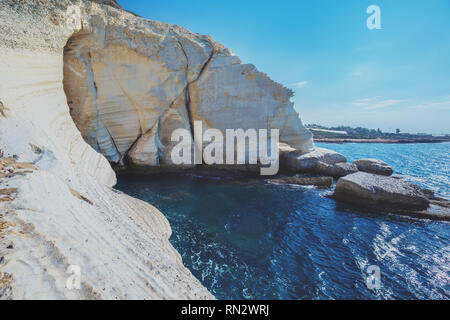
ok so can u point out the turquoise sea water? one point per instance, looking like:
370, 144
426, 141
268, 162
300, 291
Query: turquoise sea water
254, 240
427, 164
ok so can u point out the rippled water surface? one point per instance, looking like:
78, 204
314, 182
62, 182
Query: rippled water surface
253, 240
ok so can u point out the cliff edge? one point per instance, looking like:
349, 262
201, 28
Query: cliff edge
131, 82
84, 84
59, 216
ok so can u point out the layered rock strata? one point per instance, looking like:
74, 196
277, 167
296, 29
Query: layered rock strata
130, 83
58, 211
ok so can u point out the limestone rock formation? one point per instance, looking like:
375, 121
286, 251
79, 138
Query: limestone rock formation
63, 211
134, 81
112, 3
380, 191
374, 166
336, 170
307, 162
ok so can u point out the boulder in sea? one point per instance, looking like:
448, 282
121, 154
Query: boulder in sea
380, 191
306, 162
374, 166
337, 170
322, 182
435, 200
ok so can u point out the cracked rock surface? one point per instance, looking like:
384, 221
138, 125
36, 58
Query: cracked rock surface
362, 187
131, 82
57, 205
374, 166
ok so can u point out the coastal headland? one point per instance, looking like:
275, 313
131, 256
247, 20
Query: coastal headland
86, 87
407, 140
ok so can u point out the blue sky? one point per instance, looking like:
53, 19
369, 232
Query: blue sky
341, 72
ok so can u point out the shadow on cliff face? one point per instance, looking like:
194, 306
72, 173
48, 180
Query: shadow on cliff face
79, 83
125, 97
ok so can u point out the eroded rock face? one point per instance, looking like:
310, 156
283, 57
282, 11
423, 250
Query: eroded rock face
380, 191
119, 93
308, 162
231, 95
133, 86
112, 3
336, 170
60, 203
374, 166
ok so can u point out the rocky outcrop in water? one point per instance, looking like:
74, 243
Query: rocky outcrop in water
381, 191
392, 194
374, 166
321, 182
308, 162
337, 170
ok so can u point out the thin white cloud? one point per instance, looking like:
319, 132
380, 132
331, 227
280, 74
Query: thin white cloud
365, 101
441, 104
376, 103
300, 84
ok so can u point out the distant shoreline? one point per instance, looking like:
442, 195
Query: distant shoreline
392, 141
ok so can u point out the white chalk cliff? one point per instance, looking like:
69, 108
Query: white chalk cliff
82, 83
131, 82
